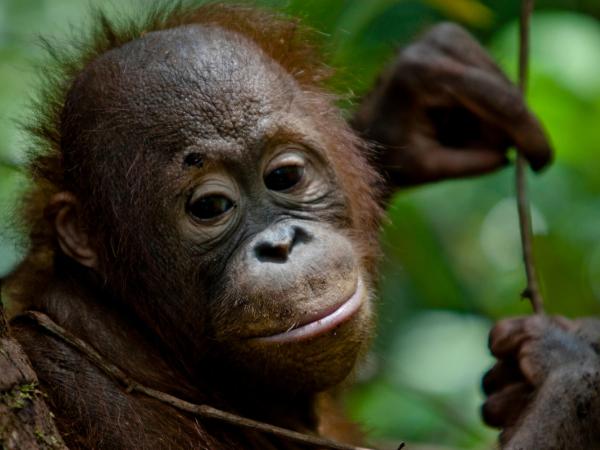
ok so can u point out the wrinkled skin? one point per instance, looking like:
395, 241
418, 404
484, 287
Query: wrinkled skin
444, 110
544, 390
272, 260
217, 240
225, 308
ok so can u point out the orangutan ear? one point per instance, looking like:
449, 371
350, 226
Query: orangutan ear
72, 237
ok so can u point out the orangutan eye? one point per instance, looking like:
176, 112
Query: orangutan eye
210, 207
193, 160
284, 178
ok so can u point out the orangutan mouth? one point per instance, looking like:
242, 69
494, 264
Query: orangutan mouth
322, 323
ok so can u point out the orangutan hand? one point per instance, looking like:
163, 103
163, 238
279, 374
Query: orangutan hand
544, 391
443, 109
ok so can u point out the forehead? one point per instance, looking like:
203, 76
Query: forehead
195, 84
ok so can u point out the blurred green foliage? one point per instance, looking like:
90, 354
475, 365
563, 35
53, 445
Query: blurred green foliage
452, 263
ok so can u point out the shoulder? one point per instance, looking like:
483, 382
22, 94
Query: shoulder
83, 398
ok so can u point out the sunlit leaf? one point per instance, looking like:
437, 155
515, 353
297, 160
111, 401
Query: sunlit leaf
564, 46
469, 12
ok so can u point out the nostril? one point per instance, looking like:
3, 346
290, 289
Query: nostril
273, 252
300, 237
276, 245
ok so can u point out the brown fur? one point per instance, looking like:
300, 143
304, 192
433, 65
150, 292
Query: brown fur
92, 411
285, 40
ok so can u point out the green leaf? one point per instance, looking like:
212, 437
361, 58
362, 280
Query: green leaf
469, 12
564, 46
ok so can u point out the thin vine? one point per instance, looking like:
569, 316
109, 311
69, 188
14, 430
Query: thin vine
204, 411
532, 290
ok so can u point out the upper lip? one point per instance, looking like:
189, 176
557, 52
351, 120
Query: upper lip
321, 321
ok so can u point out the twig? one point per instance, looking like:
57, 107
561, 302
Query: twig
532, 291
204, 411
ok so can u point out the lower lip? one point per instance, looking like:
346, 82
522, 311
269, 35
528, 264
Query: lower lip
323, 325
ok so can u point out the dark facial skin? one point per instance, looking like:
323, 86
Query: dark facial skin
246, 208
212, 224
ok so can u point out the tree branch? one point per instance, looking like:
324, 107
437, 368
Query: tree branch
532, 291
26, 423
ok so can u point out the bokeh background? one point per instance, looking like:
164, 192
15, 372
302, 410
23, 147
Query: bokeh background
452, 256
